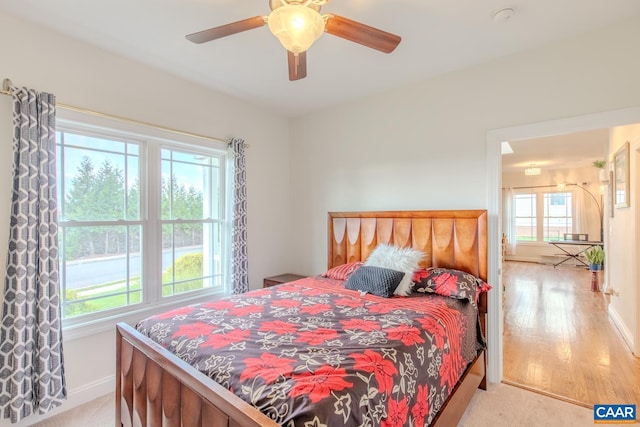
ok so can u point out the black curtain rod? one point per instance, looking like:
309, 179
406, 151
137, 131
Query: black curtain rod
542, 186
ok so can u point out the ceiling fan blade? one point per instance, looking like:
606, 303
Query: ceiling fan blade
226, 30
361, 33
297, 66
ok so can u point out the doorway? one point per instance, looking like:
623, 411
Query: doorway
554, 325
494, 182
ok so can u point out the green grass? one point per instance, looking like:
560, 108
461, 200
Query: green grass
101, 297
76, 302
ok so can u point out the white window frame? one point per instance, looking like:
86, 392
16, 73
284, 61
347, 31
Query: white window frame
153, 140
546, 218
539, 213
534, 217
220, 220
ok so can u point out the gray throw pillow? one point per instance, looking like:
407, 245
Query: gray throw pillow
375, 280
406, 260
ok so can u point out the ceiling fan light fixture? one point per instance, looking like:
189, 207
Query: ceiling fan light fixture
296, 26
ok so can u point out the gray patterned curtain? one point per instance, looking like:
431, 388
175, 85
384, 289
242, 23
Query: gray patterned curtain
31, 371
240, 260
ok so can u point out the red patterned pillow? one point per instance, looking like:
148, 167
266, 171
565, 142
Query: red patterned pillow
449, 283
342, 272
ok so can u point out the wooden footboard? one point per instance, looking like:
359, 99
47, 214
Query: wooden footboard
155, 388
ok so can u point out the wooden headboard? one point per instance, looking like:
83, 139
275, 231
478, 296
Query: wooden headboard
450, 239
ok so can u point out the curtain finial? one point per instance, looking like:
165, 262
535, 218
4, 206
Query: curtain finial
6, 85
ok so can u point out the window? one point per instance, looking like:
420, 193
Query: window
142, 220
191, 221
558, 217
525, 211
543, 216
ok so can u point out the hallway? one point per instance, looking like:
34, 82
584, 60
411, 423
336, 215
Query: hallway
558, 337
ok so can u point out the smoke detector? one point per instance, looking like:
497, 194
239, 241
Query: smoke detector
503, 15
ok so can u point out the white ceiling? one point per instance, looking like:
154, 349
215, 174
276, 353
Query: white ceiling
573, 150
438, 36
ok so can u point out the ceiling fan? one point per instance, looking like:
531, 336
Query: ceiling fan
298, 24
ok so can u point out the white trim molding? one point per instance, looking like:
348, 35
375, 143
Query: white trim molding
625, 333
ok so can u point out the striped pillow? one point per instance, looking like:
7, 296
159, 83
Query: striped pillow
342, 272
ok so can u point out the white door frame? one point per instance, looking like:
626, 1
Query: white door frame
495, 137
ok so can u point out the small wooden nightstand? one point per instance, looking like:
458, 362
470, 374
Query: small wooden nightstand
283, 278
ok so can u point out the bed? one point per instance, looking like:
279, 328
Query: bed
154, 387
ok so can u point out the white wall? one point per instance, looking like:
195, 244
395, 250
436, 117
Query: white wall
539, 251
623, 250
86, 77
424, 146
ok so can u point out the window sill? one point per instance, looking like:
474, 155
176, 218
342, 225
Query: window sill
107, 323
533, 244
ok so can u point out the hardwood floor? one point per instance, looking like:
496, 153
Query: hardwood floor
558, 337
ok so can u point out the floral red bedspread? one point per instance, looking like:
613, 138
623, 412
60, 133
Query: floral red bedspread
311, 353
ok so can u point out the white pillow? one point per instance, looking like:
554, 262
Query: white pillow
406, 260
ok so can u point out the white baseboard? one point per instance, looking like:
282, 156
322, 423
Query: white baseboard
92, 391
523, 258
627, 337
75, 397
544, 259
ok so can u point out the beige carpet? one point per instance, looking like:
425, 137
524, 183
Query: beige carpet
500, 406
507, 406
